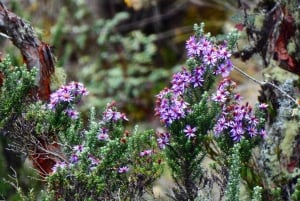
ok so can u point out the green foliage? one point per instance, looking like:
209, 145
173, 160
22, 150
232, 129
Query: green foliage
296, 194
96, 175
257, 194
123, 67
276, 194
185, 156
233, 186
17, 83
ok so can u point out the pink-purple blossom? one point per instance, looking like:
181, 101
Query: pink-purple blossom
237, 120
65, 97
170, 107
163, 139
74, 158
73, 114
111, 115
263, 106
103, 134
78, 149
123, 169
190, 131
147, 152
94, 160
59, 165
67, 94
180, 82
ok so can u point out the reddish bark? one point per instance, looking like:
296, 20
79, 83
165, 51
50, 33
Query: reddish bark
35, 54
42, 156
286, 32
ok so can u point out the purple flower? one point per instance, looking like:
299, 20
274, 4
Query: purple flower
224, 52
78, 89
123, 169
59, 165
224, 91
252, 131
78, 148
205, 45
163, 140
197, 76
74, 158
263, 133
220, 126
70, 93
219, 97
124, 117
239, 113
190, 131
227, 85
224, 69
147, 152
180, 82
103, 134
193, 47
73, 114
210, 58
65, 96
94, 161
263, 106
54, 100
170, 107
237, 131
111, 115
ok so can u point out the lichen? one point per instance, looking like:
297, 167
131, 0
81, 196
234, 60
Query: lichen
291, 131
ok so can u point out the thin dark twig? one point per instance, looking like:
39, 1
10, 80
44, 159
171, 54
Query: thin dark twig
265, 83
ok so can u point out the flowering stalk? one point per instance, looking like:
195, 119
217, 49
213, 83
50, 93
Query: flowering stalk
190, 113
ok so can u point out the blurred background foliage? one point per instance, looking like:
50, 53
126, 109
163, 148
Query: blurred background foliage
122, 50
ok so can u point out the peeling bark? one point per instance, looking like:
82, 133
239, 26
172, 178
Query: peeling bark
35, 52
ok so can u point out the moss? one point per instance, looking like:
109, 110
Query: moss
58, 78
291, 47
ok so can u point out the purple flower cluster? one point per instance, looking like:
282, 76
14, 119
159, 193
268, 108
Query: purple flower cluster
170, 106
213, 56
75, 158
67, 95
180, 82
170, 103
111, 115
237, 120
184, 79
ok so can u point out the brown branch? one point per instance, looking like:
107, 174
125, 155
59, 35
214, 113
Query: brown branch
43, 151
35, 52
